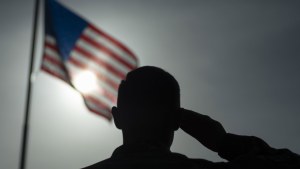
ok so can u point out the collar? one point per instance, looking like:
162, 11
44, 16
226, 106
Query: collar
140, 150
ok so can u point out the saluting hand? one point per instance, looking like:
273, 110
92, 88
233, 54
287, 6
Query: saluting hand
207, 131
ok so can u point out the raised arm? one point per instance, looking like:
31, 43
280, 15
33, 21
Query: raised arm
212, 135
207, 131
242, 151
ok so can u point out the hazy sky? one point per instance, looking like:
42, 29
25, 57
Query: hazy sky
236, 61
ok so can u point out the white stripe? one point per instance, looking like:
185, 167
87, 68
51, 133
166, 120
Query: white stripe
92, 64
51, 40
102, 99
74, 70
101, 55
102, 40
98, 109
54, 68
52, 53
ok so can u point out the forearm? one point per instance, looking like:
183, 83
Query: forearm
249, 152
206, 130
232, 146
212, 135
246, 152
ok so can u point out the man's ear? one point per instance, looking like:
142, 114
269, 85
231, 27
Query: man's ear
117, 118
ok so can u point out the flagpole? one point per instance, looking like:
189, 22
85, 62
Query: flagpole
28, 94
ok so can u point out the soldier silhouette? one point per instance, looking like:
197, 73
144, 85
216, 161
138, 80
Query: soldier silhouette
148, 112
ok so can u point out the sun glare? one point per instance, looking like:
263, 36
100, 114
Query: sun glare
85, 82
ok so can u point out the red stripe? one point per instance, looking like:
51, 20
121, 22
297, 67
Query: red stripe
99, 61
113, 40
54, 61
51, 46
53, 73
108, 95
107, 51
99, 113
96, 102
99, 75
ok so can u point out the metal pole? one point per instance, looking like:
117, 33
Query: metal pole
28, 94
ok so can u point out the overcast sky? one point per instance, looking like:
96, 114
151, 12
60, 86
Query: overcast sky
236, 61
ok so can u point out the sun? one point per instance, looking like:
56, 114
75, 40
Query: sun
85, 82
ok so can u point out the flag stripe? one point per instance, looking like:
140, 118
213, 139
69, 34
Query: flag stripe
99, 61
128, 63
51, 46
53, 73
52, 52
74, 70
93, 108
100, 42
103, 99
54, 70
105, 56
115, 42
96, 102
49, 39
54, 61
91, 64
109, 96
104, 89
97, 73
74, 65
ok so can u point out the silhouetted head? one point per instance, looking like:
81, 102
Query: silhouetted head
148, 106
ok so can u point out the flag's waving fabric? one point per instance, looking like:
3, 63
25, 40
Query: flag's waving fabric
85, 57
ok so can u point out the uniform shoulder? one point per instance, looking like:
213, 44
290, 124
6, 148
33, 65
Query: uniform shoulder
99, 165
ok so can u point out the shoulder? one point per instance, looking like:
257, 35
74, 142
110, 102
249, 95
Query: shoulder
102, 164
175, 162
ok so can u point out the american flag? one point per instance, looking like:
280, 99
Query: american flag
85, 57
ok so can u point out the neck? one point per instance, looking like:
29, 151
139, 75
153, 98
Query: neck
142, 139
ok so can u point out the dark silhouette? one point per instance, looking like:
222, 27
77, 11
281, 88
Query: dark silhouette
148, 112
